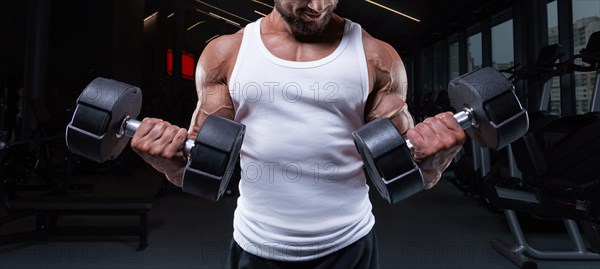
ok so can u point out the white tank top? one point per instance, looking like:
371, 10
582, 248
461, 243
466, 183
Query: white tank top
303, 193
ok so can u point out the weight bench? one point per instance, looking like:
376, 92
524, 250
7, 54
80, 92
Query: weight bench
47, 208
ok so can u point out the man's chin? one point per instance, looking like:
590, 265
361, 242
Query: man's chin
312, 28
307, 34
311, 32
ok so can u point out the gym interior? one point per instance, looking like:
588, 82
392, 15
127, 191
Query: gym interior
533, 203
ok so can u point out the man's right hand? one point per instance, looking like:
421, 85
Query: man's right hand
160, 144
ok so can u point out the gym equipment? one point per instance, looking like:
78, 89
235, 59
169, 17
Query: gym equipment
538, 77
103, 123
475, 161
490, 113
46, 209
556, 180
590, 55
548, 197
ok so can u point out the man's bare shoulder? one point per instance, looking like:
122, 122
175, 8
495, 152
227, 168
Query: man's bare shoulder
386, 69
378, 50
220, 54
223, 45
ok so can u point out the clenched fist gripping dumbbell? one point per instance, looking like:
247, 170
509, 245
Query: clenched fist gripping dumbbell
489, 111
104, 121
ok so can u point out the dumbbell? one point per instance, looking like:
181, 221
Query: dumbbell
104, 121
489, 111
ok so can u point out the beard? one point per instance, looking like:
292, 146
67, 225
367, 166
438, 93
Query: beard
303, 28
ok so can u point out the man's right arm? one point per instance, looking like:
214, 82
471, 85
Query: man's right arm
160, 143
212, 74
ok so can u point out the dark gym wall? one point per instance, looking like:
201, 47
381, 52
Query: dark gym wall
52, 49
167, 96
94, 38
80, 45
127, 42
13, 21
167, 26
76, 41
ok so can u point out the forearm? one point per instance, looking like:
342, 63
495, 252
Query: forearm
172, 168
161, 144
432, 168
173, 171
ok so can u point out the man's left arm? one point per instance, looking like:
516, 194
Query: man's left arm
436, 140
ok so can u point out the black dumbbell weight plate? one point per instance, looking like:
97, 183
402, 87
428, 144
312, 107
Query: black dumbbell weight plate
388, 161
490, 96
100, 110
213, 158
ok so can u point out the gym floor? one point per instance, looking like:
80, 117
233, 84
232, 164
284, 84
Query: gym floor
439, 228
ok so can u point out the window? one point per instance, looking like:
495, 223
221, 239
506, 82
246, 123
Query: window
552, 23
503, 55
474, 52
453, 60
586, 20
553, 39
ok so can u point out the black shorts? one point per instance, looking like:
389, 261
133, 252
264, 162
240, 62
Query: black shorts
361, 254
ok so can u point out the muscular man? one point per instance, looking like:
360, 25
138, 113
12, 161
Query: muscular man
302, 79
